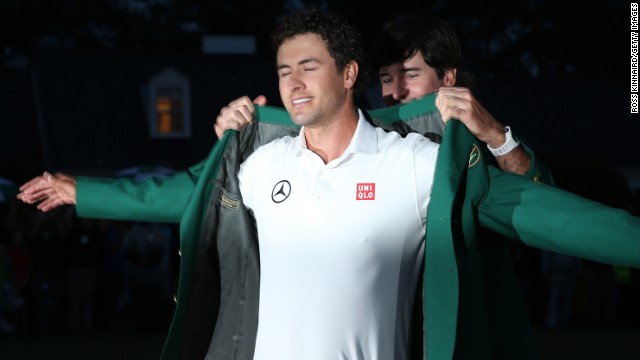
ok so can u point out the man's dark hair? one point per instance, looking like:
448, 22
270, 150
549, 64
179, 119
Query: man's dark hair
403, 37
343, 41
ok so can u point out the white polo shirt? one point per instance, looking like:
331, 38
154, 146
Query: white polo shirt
340, 244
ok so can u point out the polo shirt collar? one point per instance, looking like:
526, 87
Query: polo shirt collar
364, 141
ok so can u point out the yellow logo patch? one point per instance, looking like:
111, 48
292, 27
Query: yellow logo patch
474, 156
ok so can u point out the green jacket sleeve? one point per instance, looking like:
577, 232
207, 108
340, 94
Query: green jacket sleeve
153, 200
553, 219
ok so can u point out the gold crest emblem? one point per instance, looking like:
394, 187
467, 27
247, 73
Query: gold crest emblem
474, 156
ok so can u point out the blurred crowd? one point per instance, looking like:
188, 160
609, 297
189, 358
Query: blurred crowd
561, 291
63, 274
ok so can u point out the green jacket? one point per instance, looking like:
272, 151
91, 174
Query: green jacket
471, 303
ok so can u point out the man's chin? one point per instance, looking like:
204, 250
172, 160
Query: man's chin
300, 119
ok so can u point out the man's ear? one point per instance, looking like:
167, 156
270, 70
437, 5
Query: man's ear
449, 78
350, 74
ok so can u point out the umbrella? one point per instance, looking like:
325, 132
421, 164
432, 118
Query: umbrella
8, 190
139, 173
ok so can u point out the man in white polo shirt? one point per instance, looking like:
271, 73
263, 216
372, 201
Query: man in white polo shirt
339, 278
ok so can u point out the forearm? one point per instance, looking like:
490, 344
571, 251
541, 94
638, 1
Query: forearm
516, 161
522, 161
510, 155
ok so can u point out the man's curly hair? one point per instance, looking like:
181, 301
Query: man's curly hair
343, 40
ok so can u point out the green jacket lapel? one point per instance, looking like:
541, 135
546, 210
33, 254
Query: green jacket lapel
441, 274
190, 230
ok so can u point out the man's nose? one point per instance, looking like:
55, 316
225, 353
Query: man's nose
294, 82
399, 90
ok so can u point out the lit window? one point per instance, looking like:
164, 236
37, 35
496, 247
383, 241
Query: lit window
169, 110
169, 115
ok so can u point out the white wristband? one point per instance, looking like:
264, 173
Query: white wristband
509, 144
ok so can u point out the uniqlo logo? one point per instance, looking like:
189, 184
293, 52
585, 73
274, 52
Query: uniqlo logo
366, 191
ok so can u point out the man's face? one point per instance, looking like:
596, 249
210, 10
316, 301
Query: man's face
311, 87
403, 82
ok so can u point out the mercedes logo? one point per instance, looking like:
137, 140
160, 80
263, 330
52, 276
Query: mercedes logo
281, 191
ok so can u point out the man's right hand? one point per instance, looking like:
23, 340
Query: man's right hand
50, 191
459, 103
237, 115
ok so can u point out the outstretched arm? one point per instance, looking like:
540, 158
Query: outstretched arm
552, 219
153, 200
